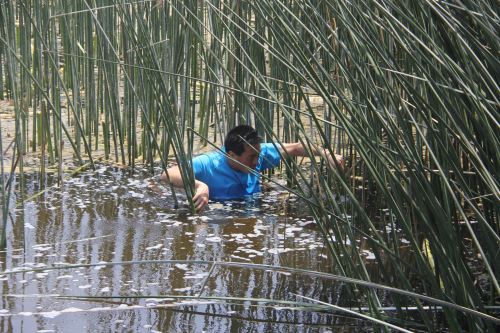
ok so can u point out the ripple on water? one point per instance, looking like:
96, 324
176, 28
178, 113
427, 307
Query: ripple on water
111, 216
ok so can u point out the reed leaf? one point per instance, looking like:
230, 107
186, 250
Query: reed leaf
406, 90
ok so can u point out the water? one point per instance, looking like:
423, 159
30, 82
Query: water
119, 237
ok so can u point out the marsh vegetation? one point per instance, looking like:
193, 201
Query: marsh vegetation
407, 91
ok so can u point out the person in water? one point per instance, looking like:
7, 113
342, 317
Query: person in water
234, 175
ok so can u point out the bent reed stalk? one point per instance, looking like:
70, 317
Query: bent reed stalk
406, 90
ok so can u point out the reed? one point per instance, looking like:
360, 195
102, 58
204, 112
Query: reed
406, 90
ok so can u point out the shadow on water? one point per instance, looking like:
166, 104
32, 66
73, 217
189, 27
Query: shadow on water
115, 221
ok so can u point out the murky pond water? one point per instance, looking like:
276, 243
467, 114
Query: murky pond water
105, 252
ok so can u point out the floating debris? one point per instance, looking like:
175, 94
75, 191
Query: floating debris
277, 251
196, 276
368, 255
183, 267
155, 247
136, 194
240, 258
51, 314
86, 286
215, 239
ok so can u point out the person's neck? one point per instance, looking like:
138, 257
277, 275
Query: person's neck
232, 164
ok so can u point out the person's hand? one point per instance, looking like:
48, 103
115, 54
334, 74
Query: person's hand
335, 157
200, 198
340, 160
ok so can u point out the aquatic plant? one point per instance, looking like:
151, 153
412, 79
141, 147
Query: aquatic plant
406, 90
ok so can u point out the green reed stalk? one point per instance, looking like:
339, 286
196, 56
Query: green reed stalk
5, 198
405, 90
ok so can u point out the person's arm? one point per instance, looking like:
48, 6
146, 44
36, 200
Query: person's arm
298, 149
201, 195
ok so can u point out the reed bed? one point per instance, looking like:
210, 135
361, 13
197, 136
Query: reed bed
407, 91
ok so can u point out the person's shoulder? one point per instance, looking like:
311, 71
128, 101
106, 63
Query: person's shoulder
210, 157
269, 156
268, 146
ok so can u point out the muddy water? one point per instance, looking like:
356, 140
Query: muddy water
147, 267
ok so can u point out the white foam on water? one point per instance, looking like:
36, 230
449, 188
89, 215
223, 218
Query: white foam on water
51, 314
71, 310
86, 286
136, 195
196, 276
293, 229
183, 267
191, 302
240, 258
369, 255
276, 251
101, 169
42, 247
215, 239
26, 314
167, 221
253, 251
99, 267
154, 247
304, 223
154, 300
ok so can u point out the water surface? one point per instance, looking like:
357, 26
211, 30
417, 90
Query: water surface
148, 267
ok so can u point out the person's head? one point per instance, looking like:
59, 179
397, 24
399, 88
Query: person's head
242, 143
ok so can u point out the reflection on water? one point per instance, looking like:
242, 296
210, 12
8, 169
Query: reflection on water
128, 232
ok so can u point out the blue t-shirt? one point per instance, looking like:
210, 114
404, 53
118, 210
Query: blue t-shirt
226, 183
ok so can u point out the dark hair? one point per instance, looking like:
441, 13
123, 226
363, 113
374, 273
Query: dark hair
239, 137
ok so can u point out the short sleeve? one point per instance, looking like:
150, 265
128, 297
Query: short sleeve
200, 166
269, 156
